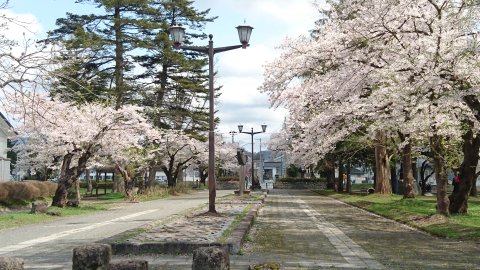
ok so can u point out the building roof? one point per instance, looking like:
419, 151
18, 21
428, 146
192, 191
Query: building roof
5, 126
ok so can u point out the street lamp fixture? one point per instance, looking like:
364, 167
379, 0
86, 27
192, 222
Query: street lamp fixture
233, 133
177, 34
255, 182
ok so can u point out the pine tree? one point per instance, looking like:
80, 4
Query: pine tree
107, 43
178, 91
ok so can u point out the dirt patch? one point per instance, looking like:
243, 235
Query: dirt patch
423, 221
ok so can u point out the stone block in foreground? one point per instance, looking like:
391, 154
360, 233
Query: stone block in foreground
91, 257
11, 263
210, 258
39, 207
128, 265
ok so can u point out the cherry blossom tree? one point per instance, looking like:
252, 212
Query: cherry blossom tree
385, 68
225, 157
173, 151
69, 136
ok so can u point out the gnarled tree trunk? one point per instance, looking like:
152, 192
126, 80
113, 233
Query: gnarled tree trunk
436, 144
382, 173
68, 177
468, 176
407, 169
127, 180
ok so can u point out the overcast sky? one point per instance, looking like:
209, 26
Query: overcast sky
240, 72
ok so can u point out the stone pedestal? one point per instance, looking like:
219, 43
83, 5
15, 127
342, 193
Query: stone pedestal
39, 207
210, 258
91, 257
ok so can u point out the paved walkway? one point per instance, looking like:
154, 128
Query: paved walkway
298, 229
49, 245
302, 230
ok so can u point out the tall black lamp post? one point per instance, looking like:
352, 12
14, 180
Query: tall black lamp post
255, 182
177, 34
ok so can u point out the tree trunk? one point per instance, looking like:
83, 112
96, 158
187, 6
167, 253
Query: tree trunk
329, 168
436, 144
349, 179
68, 177
473, 191
171, 181
78, 197
127, 180
474, 104
119, 61
151, 176
394, 181
407, 168
341, 172
471, 147
382, 183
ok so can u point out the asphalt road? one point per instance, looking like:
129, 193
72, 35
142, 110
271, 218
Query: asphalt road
49, 245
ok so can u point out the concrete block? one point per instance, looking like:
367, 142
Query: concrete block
39, 207
210, 258
91, 257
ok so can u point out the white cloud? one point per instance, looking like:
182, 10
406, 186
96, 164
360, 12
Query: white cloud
20, 26
241, 71
248, 62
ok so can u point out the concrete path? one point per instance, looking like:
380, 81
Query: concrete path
298, 229
302, 230
49, 245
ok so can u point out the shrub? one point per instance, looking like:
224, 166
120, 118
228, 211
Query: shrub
27, 190
295, 180
181, 187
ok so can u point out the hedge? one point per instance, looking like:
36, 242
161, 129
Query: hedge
26, 190
295, 180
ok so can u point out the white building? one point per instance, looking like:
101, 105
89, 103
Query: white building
6, 131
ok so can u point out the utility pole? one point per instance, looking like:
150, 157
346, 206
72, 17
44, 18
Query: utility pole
260, 169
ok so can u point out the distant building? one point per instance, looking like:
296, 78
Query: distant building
272, 164
6, 131
361, 176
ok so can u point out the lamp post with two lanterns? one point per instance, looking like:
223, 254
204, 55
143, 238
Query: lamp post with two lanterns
177, 34
255, 182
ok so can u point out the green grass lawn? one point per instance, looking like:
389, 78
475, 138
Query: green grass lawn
419, 212
20, 211
20, 217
